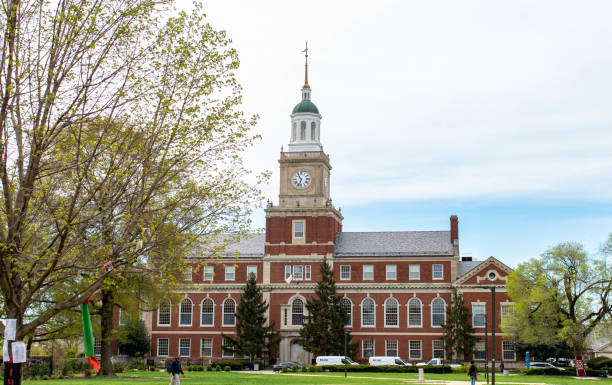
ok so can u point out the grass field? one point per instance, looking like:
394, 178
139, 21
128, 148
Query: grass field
193, 378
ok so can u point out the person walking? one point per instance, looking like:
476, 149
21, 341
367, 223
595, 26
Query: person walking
175, 370
473, 372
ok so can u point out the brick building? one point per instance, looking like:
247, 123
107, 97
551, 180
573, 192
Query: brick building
396, 285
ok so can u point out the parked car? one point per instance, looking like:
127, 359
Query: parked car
386, 360
289, 364
543, 365
335, 360
439, 362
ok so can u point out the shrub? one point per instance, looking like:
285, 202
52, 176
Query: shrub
137, 363
87, 372
600, 363
71, 353
304, 369
548, 372
227, 368
39, 368
45, 377
217, 368
209, 368
285, 369
596, 372
461, 369
386, 368
294, 368
53, 376
234, 364
118, 367
195, 368
61, 376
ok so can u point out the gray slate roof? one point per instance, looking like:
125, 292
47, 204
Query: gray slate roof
248, 248
393, 243
467, 266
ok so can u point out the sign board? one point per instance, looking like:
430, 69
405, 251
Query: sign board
580, 367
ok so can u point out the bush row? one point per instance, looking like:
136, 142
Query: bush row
600, 363
565, 372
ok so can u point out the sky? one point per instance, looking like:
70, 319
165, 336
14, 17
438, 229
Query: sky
498, 112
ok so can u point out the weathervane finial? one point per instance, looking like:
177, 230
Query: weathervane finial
306, 67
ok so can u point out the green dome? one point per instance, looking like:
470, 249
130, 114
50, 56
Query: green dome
305, 106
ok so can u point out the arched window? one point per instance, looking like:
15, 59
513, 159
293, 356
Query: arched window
313, 131
391, 316
229, 308
186, 309
347, 306
208, 312
303, 130
297, 312
415, 315
367, 312
438, 312
163, 313
294, 131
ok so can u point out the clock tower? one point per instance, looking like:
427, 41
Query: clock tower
305, 222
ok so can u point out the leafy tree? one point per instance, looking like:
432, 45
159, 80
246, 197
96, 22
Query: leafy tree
458, 331
323, 332
122, 141
137, 341
253, 337
562, 296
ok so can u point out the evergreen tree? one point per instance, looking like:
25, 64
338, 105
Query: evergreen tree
323, 332
458, 332
137, 342
253, 337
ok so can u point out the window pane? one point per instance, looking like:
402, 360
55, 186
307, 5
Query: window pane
479, 351
391, 348
367, 348
208, 273
348, 309
415, 350
298, 229
391, 312
163, 317
414, 272
345, 272
229, 307
251, 270
307, 272
438, 312
297, 272
414, 312
207, 312
508, 350
162, 347
438, 349
437, 271
230, 273
187, 273
297, 312
185, 312
367, 312
185, 347
368, 272
226, 349
391, 271
206, 347
478, 315
287, 271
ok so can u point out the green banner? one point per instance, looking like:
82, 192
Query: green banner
88, 341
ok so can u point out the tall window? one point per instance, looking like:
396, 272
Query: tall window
368, 272
391, 348
298, 229
438, 349
297, 312
206, 347
313, 131
302, 130
124, 317
367, 312
367, 348
209, 273
185, 347
186, 308
478, 316
162, 347
163, 314
287, 271
414, 272
298, 272
415, 313
230, 273
227, 350
508, 351
188, 273
438, 271
229, 309
251, 271
98, 347
348, 309
391, 312
507, 312
414, 352
438, 312
479, 351
307, 272
208, 312
391, 272
345, 272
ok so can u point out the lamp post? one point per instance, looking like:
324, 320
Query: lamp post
493, 325
346, 332
486, 348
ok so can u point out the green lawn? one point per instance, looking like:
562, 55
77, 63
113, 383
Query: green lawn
193, 378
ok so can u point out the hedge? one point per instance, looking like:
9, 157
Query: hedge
387, 368
600, 363
233, 364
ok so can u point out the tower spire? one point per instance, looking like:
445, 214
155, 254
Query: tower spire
306, 68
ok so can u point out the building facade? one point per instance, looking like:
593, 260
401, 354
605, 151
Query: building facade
396, 286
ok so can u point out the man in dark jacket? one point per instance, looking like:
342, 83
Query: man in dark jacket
175, 370
473, 372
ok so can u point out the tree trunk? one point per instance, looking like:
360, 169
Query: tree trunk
106, 331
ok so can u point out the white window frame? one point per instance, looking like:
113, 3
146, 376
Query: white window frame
414, 275
287, 271
350, 312
250, 269
181, 324
432, 312
202, 347
386, 306
373, 313
433, 349
188, 273
509, 313
167, 347
307, 275
224, 313
363, 347
298, 272
169, 314
230, 272
420, 325
180, 347
396, 348
295, 237
293, 315
223, 346
410, 349
122, 317
371, 268
97, 347
483, 351
209, 273
202, 313
345, 272
391, 272
504, 351
433, 271
479, 315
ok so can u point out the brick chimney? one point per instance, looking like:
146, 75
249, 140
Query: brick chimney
454, 230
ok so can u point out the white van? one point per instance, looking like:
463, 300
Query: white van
335, 360
385, 360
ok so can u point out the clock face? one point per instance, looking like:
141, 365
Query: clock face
301, 179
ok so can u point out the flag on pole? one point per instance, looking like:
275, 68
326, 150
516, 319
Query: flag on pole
88, 340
